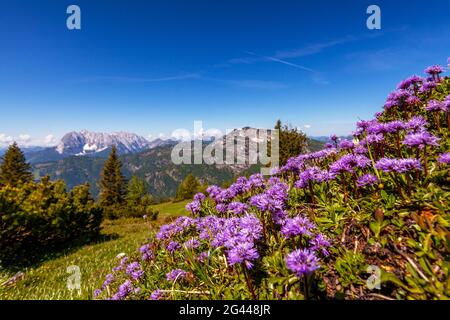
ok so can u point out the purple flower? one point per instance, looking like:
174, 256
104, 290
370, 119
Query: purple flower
348, 163
444, 158
446, 103
320, 242
428, 85
97, 292
407, 83
192, 243
134, 270
202, 257
221, 208
157, 295
374, 138
434, 105
124, 290
302, 261
280, 217
199, 197
176, 274
398, 165
194, 207
109, 279
173, 246
434, 70
346, 144
146, 252
334, 138
366, 180
213, 191
416, 123
421, 139
237, 208
297, 226
243, 252
394, 126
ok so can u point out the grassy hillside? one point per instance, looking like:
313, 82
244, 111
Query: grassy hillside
48, 279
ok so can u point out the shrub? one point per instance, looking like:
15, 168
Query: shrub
36, 218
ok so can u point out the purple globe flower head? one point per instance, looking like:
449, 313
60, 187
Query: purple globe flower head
375, 138
255, 181
157, 295
348, 163
302, 262
202, 257
328, 145
173, 246
411, 81
427, 86
199, 197
221, 208
250, 227
334, 138
280, 217
434, 70
237, 208
297, 226
194, 207
374, 127
192, 243
320, 243
109, 279
213, 191
243, 252
413, 101
421, 139
394, 126
176, 274
360, 149
124, 290
416, 123
134, 270
146, 252
398, 165
396, 98
97, 292
434, 105
446, 103
444, 158
367, 180
346, 145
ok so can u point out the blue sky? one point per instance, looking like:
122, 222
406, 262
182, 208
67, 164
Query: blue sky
151, 67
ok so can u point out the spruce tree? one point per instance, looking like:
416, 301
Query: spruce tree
14, 169
112, 183
187, 188
137, 193
292, 142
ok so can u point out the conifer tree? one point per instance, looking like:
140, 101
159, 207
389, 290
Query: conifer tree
188, 188
137, 193
292, 142
112, 183
14, 169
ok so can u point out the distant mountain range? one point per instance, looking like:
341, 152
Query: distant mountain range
79, 157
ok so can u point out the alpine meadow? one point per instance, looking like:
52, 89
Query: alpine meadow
225, 159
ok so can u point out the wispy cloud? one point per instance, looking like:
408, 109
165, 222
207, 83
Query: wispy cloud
275, 59
258, 84
141, 80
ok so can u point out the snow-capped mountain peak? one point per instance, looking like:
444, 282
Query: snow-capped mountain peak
87, 142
